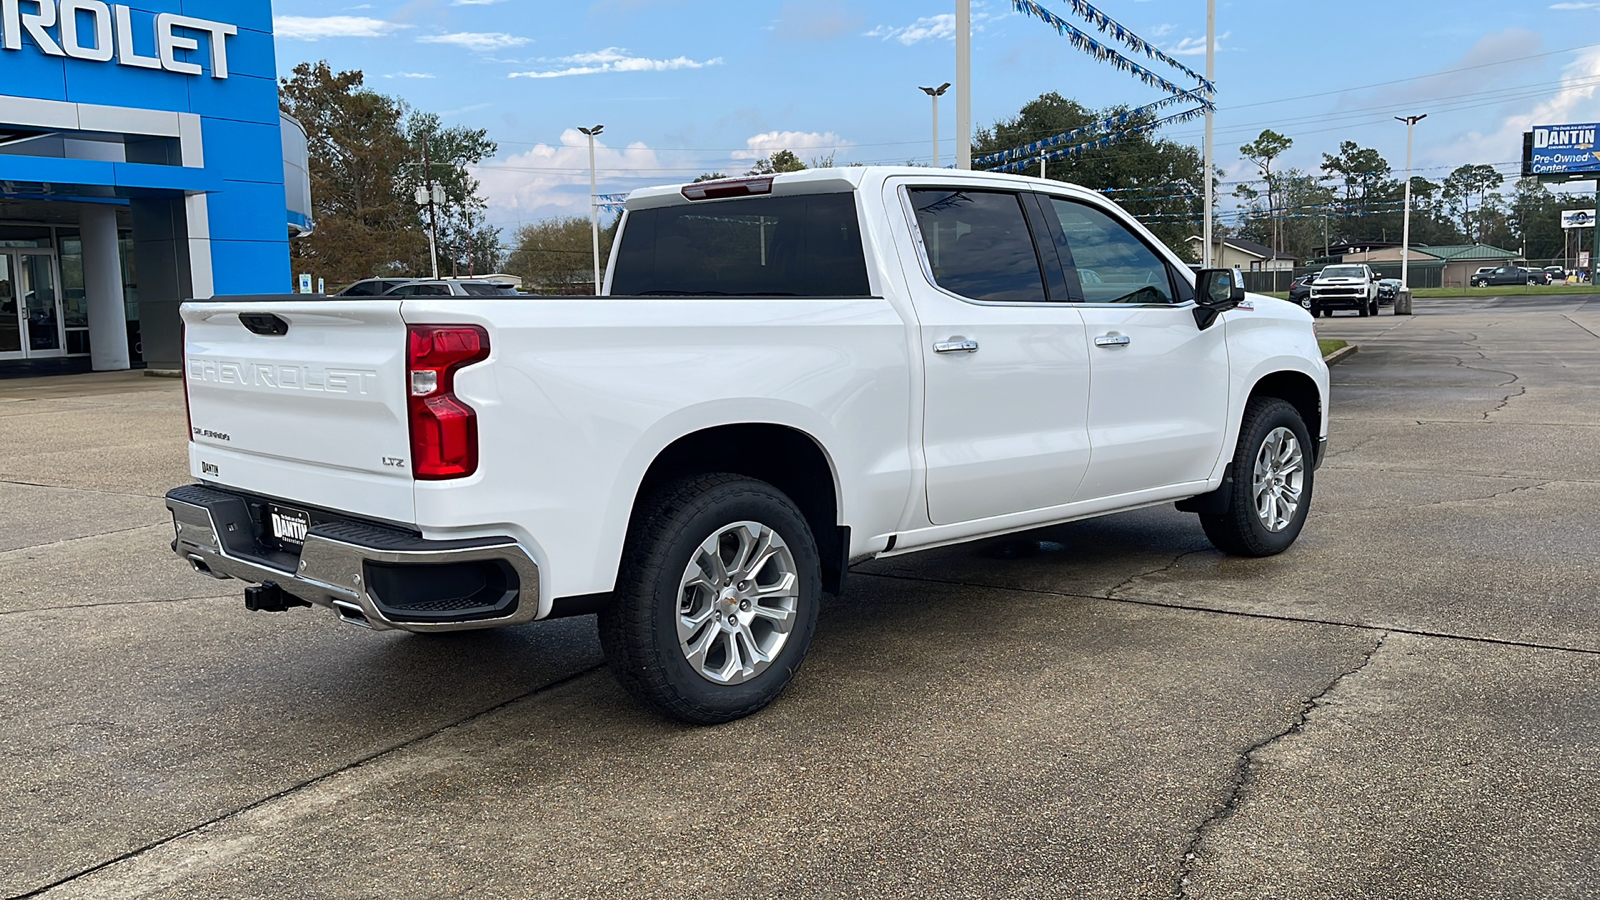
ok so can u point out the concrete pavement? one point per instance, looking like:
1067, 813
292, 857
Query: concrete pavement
1405, 704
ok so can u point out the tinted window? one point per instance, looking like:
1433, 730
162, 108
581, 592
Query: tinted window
979, 245
801, 246
364, 289
488, 290
1113, 264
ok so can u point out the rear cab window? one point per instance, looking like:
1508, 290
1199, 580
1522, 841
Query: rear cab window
798, 245
979, 244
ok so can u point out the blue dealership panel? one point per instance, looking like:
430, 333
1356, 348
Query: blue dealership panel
243, 174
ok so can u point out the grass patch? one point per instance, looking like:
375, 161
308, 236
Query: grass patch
1329, 346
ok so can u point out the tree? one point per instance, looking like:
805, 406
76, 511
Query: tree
1467, 196
365, 218
450, 153
781, 161
1159, 182
556, 256
1537, 214
1304, 214
366, 164
1268, 146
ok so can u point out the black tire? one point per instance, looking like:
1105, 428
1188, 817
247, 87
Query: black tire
1241, 531
1362, 311
639, 629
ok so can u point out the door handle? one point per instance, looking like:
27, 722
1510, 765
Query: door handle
956, 347
1113, 340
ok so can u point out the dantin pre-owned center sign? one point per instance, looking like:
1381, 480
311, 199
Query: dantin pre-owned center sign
1562, 150
96, 31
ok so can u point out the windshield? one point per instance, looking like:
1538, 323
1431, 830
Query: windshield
1342, 272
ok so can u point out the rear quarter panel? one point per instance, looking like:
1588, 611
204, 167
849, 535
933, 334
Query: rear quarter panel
580, 395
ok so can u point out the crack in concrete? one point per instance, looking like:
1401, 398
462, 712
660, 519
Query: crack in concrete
1112, 593
303, 785
87, 537
1441, 503
1244, 771
79, 607
1581, 325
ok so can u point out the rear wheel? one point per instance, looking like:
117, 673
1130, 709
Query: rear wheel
716, 599
1272, 481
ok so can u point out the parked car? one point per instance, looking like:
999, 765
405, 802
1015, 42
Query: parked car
1478, 278
1300, 290
452, 287
1554, 275
1509, 275
372, 287
1345, 287
912, 358
1388, 290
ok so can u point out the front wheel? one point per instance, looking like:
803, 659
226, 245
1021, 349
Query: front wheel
716, 599
1272, 481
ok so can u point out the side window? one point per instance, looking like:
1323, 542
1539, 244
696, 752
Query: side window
1113, 264
979, 244
363, 289
433, 290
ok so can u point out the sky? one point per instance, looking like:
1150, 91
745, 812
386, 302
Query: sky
684, 87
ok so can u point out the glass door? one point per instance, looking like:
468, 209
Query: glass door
40, 304
11, 331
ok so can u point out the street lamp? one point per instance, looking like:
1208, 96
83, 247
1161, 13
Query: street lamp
594, 209
935, 94
1405, 230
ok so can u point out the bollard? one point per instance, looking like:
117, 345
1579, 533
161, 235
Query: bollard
1402, 302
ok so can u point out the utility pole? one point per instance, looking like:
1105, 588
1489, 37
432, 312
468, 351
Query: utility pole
935, 94
964, 84
433, 213
1405, 233
594, 209
1211, 74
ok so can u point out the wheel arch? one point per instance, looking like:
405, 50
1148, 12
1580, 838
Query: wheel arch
1298, 390
785, 457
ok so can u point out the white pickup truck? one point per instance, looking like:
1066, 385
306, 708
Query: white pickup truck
787, 375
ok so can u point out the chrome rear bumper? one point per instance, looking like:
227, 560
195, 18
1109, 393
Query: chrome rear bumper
343, 561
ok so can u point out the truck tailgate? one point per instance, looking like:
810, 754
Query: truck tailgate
302, 400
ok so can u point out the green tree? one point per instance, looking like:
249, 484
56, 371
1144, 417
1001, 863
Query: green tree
1158, 181
365, 217
556, 256
451, 152
781, 161
1468, 196
1536, 213
1267, 147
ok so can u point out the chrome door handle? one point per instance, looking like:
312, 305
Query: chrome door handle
956, 347
1109, 340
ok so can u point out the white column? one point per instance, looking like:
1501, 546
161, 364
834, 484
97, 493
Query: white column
964, 84
102, 283
1206, 260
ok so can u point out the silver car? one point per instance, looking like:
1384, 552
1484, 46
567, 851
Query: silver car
453, 287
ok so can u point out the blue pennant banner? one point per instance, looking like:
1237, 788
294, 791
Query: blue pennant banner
1108, 25
1096, 49
1100, 143
1034, 149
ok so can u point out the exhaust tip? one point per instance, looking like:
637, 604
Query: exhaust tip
204, 568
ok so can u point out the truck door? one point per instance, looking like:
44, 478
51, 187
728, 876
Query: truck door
1158, 409
1006, 361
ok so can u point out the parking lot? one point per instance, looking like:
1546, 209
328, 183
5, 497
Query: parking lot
1407, 703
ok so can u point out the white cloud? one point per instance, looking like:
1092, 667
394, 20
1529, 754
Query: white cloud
1196, 46
410, 75
477, 41
801, 142
928, 28
316, 28
614, 59
1577, 100
554, 179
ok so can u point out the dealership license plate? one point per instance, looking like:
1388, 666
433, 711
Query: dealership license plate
289, 525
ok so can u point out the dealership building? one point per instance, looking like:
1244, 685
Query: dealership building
143, 161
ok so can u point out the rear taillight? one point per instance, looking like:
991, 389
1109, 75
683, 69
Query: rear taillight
725, 188
444, 430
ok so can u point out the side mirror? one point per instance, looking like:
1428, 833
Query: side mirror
1216, 292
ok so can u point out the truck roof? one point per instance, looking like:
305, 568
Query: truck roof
842, 178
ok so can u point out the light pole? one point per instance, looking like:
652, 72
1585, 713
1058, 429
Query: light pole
594, 210
964, 84
1405, 230
935, 94
1211, 74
